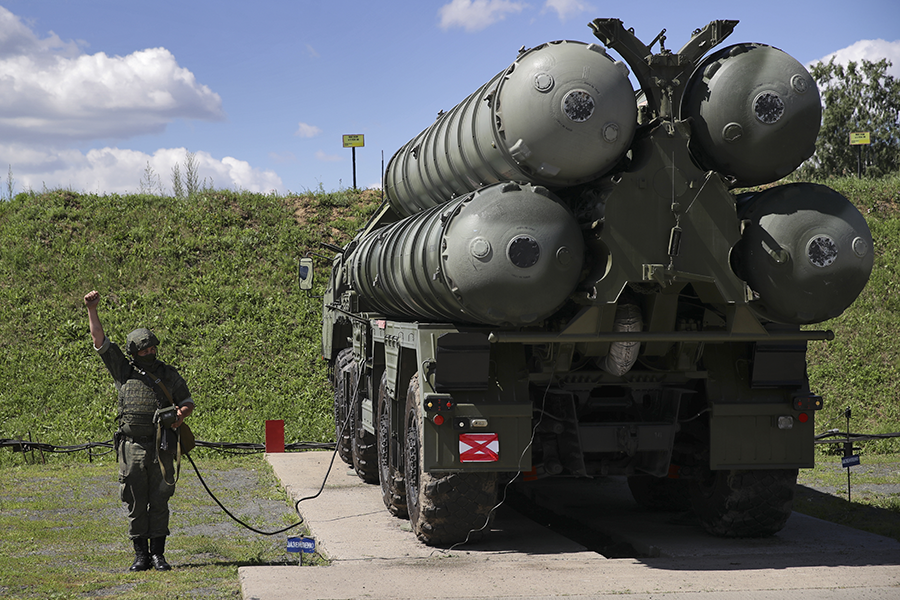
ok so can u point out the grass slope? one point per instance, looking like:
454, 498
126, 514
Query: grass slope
860, 367
215, 277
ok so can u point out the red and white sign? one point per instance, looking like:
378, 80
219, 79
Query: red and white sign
479, 447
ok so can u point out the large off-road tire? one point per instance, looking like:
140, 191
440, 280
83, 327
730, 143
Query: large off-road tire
393, 488
342, 433
744, 503
660, 493
363, 446
444, 509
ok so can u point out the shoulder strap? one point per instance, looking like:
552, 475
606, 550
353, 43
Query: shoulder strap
154, 381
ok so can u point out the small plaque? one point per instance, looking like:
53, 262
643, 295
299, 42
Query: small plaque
850, 461
860, 138
301, 544
354, 140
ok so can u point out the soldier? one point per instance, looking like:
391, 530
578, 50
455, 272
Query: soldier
145, 452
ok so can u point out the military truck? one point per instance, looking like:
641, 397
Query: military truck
564, 280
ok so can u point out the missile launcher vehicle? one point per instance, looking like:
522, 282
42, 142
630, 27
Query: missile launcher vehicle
564, 280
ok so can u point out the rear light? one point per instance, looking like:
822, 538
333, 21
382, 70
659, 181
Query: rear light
810, 402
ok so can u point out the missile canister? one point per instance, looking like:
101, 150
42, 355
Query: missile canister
806, 250
756, 113
506, 254
561, 114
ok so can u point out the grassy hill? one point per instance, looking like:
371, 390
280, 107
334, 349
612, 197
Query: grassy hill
861, 367
215, 277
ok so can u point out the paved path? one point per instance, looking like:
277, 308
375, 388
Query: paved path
376, 556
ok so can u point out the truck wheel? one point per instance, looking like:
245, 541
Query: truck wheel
342, 434
444, 509
660, 493
744, 503
363, 446
393, 488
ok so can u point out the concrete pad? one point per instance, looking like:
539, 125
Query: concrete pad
375, 555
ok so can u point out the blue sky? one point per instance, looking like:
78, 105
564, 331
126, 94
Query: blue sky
92, 91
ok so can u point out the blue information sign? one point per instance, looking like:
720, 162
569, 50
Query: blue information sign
304, 544
850, 461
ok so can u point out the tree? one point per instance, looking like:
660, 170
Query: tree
150, 182
10, 184
191, 176
857, 97
177, 185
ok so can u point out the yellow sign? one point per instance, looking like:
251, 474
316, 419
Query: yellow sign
354, 141
860, 138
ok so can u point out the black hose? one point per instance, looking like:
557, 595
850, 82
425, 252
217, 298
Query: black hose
227, 512
296, 504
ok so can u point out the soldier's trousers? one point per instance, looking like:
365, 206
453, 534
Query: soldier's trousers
143, 489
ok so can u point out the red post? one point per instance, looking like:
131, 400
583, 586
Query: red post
275, 436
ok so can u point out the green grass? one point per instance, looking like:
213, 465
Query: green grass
214, 276
874, 499
64, 531
860, 368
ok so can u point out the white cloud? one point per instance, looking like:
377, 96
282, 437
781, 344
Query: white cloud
306, 130
51, 91
118, 170
17, 39
474, 15
242, 176
871, 50
54, 97
567, 8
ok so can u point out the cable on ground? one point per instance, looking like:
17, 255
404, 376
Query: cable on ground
234, 448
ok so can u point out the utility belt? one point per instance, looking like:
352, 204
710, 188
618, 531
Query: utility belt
137, 439
120, 436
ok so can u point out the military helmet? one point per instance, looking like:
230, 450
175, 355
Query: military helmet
140, 339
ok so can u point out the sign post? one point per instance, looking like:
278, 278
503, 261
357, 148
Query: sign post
354, 141
849, 459
859, 139
301, 545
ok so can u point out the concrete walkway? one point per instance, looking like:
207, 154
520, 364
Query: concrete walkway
376, 556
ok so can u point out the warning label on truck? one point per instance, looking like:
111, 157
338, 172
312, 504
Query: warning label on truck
479, 447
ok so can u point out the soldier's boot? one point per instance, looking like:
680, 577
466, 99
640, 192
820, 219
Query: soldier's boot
157, 550
141, 555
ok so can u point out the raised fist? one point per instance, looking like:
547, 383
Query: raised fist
92, 298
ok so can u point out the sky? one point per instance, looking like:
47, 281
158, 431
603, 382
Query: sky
95, 95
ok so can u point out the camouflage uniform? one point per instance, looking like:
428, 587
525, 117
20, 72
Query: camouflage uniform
141, 482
